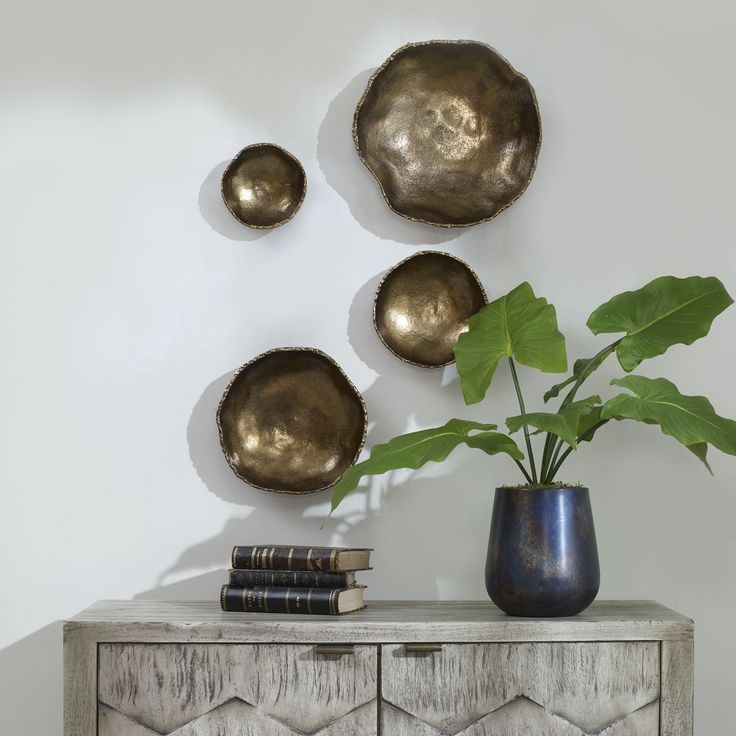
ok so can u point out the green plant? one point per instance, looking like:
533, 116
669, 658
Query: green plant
522, 327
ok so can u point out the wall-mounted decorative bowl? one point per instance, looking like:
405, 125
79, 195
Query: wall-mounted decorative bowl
291, 421
450, 130
264, 186
423, 304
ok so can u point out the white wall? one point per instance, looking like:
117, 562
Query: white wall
128, 296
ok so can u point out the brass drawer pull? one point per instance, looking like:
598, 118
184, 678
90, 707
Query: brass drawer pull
422, 648
334, 650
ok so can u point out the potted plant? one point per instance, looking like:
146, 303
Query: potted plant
542, 555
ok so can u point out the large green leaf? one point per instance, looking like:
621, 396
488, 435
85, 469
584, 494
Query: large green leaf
581, 369
590, 422
519, 325
428, 445
667, 311
701, 452
691, 420
565, 423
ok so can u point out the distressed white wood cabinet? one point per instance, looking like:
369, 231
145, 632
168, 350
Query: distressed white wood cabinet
403, 668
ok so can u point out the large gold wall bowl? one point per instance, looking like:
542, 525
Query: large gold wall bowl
291, 421
423, 304
450, 130
264, 186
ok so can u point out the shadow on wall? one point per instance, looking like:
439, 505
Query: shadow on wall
378, 512
33, 699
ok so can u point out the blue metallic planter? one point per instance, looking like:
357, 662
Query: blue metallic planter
542, 554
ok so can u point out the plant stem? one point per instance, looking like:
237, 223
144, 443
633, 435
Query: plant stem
558, 464
583, 375
546, 456
550, 453
553, 459
555, 468
529, 450
523, 470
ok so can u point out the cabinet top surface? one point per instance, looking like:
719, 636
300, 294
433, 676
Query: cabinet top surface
381, 622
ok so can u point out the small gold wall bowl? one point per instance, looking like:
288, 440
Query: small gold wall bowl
264, 186
450, 130
291, 421
423, 304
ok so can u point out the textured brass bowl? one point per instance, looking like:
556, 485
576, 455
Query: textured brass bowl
291, 421
450, 130
423, 304
264, 186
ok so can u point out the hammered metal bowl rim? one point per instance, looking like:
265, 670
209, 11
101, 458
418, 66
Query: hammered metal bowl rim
401, 263
456, 41
232, 162
291, 349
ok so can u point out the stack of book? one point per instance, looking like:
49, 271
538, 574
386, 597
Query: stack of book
281, 579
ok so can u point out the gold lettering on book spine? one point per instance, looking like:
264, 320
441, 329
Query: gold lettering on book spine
333, 561
291, 554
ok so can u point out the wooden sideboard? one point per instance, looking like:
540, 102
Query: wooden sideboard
398, 668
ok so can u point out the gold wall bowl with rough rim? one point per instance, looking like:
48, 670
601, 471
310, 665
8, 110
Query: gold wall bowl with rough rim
291, 421
450, 130
423, 304
264, 186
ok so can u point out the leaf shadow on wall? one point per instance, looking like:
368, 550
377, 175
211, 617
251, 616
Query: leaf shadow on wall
216, 214
383, 514
347, 175
389, 516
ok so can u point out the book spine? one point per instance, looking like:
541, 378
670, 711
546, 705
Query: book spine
288, 578
284, 558
320, 601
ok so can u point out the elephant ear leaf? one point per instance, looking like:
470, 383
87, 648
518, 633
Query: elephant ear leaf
565, 423
691, 420
667, 311
428, 445
589, 423
519, 325
700, 450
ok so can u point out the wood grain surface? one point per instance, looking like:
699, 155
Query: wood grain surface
210, 688
589, 685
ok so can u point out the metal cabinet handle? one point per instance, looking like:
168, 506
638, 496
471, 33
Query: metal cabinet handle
422, 648
334, 650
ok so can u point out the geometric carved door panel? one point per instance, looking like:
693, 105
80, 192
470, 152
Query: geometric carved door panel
544, 689
234, 690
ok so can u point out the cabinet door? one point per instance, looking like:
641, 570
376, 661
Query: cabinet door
235, 690
546, 689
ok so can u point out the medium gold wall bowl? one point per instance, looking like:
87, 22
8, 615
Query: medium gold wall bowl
450, 130
264, 186
291, 421
423, 304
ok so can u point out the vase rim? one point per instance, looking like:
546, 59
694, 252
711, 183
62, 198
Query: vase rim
553, 487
